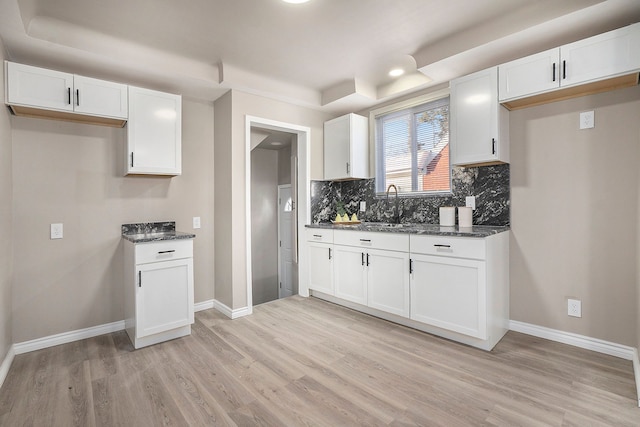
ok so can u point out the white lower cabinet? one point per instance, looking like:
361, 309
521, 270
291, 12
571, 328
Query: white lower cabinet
159, 291
450, 293
388, 281
320, 254
455, 287
350, 274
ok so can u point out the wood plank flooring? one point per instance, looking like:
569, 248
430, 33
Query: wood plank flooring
306, 362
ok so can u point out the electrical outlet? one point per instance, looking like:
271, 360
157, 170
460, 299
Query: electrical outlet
587, 120
56, 231
574, 307
196, 222
470, 202
363, 206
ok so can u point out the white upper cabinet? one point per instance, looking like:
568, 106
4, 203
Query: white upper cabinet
43, 89
154, 133
533, 74
100, 98
346, 148
38, 87
479, 127
601, 57
606, 55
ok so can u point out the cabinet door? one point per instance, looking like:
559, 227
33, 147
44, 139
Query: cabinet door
530, 75
350, 274
154, 133
164, 296
474, 118
388, 281
320, 267
100, 98
449, 293
39, 87
336, 148
606, 55
346, 147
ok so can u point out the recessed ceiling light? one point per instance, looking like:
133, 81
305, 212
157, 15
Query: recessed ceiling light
396, 72
295, 1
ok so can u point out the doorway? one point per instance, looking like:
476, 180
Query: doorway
273, 213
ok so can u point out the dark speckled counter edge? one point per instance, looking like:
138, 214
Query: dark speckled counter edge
153, 232
477, 231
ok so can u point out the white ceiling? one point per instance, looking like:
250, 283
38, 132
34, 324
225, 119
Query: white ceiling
331, 55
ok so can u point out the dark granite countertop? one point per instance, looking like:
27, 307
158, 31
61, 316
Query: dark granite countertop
479, 231
153, 232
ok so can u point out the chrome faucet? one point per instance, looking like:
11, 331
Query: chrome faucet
397, 216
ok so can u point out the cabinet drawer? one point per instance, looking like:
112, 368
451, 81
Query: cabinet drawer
460, 247
365, 239
319, 235
163, 251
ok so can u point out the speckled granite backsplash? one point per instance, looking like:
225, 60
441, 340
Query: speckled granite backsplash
490, 185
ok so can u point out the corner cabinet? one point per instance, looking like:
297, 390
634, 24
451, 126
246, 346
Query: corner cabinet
346, 148
479, 124
39, 92
159, 291
154, 133
595, 59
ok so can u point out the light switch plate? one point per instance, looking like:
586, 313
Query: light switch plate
56, 231
587, 120
470, 202
196, 222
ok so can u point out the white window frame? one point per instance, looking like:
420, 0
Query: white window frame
399, 106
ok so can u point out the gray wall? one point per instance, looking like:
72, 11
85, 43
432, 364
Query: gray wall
72, 173
264, 225
574, 215
6, 225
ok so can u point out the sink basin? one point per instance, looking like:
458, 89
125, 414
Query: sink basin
390, 225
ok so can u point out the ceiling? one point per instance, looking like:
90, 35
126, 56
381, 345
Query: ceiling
330, 55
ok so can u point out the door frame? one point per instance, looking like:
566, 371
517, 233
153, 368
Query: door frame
280, 187
303, 141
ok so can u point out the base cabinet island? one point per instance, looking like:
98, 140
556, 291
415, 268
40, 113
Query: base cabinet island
448, 281
158, 282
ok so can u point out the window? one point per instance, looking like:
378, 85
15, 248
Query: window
412, 148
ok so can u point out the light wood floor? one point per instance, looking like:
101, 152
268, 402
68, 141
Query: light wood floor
302, 361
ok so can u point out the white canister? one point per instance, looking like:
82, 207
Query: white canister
465, 217
448, 216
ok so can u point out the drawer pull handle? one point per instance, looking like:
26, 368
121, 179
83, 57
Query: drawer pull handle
442, 246
365, 240
410, 266
362, 257
166, 252
367, 260
319, 236
329, 253
139, 279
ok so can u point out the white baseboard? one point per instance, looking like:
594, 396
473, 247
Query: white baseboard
636, 371
67, 337
231, 314
594, 344
203, 305
6, 364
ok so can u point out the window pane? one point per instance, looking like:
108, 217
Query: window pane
397, 151
413, 148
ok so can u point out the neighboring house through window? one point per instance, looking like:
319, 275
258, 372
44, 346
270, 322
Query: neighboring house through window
412, 146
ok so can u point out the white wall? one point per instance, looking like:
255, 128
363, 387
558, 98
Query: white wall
72, 173
574, 215
6, 223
